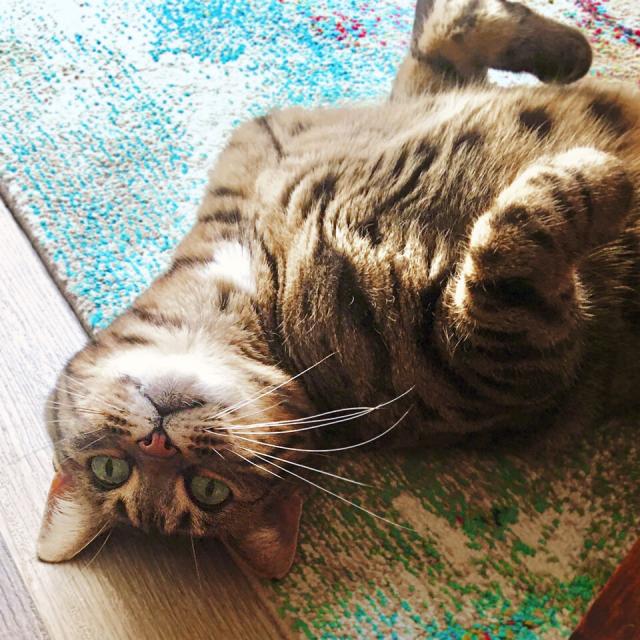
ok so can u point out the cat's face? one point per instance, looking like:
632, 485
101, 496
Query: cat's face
169, 438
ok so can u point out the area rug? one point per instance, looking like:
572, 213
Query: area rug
110, 113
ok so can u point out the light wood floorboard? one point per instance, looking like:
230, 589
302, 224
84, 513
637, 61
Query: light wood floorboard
137, 587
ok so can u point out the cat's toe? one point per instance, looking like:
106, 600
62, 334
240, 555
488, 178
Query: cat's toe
569, 60
551, 51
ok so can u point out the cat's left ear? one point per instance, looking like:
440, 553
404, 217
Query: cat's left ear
269, 548
70, 522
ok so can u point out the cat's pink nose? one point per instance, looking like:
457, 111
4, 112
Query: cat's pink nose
157, 445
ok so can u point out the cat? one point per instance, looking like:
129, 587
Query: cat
462, 259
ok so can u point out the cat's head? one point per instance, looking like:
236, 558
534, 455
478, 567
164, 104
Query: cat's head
175, 435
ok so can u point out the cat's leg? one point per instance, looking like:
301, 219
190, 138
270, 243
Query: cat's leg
454, 42
515, 312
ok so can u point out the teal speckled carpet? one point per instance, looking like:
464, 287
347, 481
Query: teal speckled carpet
110, 113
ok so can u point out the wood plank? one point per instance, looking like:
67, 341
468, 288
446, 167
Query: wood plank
18, 616
137, 586
615, 613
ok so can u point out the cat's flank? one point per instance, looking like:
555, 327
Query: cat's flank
464, 258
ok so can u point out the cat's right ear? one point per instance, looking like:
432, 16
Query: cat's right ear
269, 547
70, 522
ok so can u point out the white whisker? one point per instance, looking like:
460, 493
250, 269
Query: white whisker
86, 446
85, 397
195, 560
60, 421
303, 420
304, 466
77, 409
75, 435
352, 446
270, 390
100, 548
317, 423
80, 385
321, 422
336, 495
48, 445
93, 537
258, 411
254, 464
320, 425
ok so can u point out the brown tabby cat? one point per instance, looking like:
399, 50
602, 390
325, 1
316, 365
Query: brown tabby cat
465, 258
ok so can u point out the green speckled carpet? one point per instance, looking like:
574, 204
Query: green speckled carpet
110, 113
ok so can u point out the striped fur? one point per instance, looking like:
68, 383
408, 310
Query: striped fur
472, 246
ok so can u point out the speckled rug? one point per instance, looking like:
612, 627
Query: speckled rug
110, 113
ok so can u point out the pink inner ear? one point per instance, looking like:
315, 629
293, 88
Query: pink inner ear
61, 483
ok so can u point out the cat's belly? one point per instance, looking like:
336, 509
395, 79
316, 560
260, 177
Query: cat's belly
376, 224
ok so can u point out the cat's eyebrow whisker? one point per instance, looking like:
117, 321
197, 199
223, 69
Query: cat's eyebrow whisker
304, 466
76, 408
270, 390
71, 437
88, 446
101, 398
336, 495
254, 464
88, 412
219, 453
84, 397
64, 421
59, 421
47, 445
352, 446
80, 385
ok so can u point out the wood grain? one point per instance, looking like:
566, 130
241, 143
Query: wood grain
18, 615
136, 586
615, 614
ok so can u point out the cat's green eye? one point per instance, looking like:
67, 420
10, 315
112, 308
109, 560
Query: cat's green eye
111, 472
208, 492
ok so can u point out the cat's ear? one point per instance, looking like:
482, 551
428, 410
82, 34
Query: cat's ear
269, 548
70, 521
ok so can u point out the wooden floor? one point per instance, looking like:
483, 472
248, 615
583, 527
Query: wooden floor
134, 587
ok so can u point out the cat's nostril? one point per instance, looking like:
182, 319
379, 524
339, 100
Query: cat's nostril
157, 444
